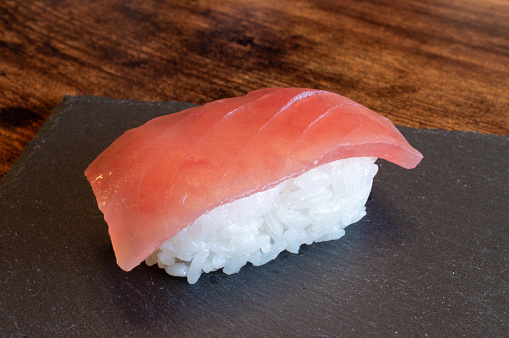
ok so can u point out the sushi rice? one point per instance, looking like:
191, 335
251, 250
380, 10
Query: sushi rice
313, 207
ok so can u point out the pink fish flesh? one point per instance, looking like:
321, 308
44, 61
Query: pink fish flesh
156, 179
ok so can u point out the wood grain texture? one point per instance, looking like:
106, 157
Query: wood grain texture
427, 64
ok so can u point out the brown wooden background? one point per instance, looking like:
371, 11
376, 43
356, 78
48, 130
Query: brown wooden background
423, 63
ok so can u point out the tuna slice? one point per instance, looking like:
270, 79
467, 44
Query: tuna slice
156, 179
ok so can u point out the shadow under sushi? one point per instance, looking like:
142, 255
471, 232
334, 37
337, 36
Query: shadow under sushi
319, 275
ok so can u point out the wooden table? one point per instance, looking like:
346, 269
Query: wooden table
425, 64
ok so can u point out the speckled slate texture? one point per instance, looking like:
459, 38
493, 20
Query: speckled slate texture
430, 258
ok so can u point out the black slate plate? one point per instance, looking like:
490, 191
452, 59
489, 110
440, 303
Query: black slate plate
430, 258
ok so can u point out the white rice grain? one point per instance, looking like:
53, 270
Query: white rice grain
312, 207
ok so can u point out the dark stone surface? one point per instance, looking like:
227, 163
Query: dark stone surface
430, 258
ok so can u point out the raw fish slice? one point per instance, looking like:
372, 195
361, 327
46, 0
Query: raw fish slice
158, 178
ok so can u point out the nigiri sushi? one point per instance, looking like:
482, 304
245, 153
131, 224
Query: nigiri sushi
241, 179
